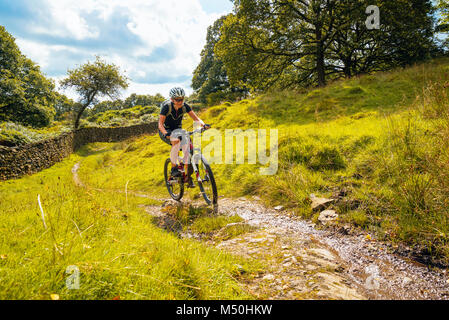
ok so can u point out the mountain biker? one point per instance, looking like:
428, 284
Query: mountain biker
170, 119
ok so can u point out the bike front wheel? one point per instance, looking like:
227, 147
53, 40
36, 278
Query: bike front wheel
175, 186
207, 183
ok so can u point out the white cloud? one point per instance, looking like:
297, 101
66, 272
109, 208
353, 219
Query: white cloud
67, 20
35, 51
176, 25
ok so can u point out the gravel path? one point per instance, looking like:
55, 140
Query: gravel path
367, 264
306, 263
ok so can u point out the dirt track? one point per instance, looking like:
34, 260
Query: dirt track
306, 263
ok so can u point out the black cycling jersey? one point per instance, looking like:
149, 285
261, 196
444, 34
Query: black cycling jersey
174, 119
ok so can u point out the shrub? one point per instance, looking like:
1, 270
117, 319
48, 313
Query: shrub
147, 118
215, 111
12, 134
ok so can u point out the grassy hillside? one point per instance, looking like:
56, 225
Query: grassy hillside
381, 140
109, 237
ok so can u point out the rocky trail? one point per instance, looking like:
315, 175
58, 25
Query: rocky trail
306, 263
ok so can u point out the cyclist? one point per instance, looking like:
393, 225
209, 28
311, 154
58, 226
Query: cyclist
170, 119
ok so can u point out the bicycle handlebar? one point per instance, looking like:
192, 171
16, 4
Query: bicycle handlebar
201, 130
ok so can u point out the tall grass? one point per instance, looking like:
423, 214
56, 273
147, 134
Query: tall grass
110, 239
381, 140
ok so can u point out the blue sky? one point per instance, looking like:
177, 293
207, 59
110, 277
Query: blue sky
156, 43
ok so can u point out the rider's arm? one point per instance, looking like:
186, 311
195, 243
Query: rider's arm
195, 117
161, 124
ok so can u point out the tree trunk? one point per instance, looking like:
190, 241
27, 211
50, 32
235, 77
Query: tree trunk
78, 117
321, 75
347, 68
320, 69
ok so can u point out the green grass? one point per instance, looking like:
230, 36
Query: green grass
109, 237
381, 138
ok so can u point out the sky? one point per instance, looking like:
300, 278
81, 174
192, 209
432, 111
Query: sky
156, 43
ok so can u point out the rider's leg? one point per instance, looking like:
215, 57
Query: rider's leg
175, 147
185, 152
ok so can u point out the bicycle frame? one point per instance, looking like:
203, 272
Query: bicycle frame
194, 158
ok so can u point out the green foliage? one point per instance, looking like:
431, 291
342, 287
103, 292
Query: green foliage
143, 100
288, 43
26, 95
63, 107
92, 80
382, 138
125, 116
210, 80
105, 106
13, 134
132, 101
443, 7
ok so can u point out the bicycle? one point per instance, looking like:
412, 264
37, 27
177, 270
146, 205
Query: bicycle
202, 171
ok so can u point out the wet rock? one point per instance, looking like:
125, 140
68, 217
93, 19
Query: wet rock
340, 193
268, 277
170, 202
320, 204
327, 216
345, 230
257, 240
406, 281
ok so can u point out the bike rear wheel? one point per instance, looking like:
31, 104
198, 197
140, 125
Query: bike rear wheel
207, 183
175, 186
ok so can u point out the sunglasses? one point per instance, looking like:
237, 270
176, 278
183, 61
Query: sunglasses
179, 99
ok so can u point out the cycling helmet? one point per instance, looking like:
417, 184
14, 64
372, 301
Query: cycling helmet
177, 93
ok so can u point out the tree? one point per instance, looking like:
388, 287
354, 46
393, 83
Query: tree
92, 80
405, 36
210, 78
307, 42
143, 100
105, 106
443, 21
63, 106
279, 41
26, 95
443, 7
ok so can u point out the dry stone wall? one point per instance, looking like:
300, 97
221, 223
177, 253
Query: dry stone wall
16, 162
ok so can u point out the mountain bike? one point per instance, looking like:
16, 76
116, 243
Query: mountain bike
202, 171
